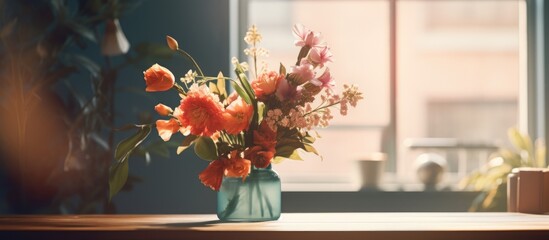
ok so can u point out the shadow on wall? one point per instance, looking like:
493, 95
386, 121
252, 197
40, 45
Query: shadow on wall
168, 185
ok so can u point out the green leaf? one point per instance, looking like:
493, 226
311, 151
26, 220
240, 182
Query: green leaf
242, 93
126, 146
289, 152
213, 89
282, 70
311, 149
308, 139
221, 85
118, 174
186, 143
244, 81
205, 148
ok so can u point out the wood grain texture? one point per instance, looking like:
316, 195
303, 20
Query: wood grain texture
301, 226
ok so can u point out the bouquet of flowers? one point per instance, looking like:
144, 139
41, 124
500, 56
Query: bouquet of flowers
264, 120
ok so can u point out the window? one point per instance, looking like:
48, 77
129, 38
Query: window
456, 76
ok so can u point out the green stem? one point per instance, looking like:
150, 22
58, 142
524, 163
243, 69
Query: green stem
259, 198
179, 89
188, 56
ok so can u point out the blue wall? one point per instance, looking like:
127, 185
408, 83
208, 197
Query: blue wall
202, 29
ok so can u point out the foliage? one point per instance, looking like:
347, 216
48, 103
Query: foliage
57, 102
491, 179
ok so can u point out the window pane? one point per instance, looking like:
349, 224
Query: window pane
458, 77
357, 32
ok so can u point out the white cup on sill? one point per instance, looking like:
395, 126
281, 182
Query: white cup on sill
371, 168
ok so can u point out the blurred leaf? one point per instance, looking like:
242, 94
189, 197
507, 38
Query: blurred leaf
80, 30
540, 153
521, 142
242, 93
85, 62
118, 174
205, 148
510, 158
186, 143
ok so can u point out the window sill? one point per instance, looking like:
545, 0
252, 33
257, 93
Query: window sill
377, 201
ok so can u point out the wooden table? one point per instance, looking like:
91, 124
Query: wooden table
302, 226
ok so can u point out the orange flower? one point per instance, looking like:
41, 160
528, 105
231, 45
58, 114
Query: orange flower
158, 79
213, 174
266, 84
201, 111
237, 166
260, 157
237, 116
162, 109
265, 137
166, 128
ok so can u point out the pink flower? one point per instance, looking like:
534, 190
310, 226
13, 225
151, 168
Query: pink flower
325, 80
266, 84
237, 116
201, 111
302, 73
163, 110
306, 37
285, 90
319, 56
166, 128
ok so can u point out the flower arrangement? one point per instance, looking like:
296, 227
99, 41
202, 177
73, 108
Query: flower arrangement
264, 120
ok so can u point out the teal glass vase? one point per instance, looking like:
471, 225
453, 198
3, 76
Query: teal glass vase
257, 198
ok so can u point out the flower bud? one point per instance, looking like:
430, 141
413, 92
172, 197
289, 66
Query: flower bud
163, 110
172, 43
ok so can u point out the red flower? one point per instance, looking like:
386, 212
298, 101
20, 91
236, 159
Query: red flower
237, 116
163, 110
158, 79
265, 137
260, 157
166, 128
201, 111
266, 84
237, 166
213, 174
